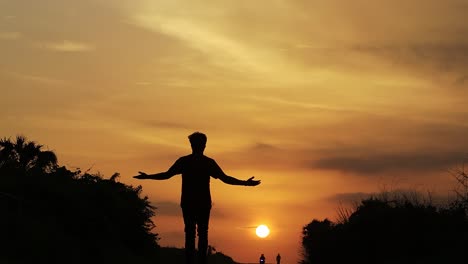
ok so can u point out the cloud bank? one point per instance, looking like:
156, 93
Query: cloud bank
69, 46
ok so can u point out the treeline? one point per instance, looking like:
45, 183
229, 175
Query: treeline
393, 227
51, 214
172, 255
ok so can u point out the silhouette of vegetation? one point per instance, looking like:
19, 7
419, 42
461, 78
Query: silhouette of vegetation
50, 214
461, 177
170, 255
390, 228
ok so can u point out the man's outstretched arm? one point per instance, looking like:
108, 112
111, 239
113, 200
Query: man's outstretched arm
157, 176
173, 170
234, 181
217, 172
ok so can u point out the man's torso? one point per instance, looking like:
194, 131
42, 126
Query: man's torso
196, 171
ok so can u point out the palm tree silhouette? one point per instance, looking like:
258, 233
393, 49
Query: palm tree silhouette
26, 155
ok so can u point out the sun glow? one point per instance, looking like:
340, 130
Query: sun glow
262, 231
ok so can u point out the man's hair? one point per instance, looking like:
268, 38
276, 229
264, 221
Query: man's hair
197, 139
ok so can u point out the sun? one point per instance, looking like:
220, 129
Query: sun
262, 231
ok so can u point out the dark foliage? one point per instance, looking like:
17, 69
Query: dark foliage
171, 255
383, 230
50, 214
461, 177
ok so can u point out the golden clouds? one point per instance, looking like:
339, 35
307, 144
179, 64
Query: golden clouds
69, 46
9, 35
307, 95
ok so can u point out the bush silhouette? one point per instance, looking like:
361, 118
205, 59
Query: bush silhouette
383, 230
50, 214
172, 255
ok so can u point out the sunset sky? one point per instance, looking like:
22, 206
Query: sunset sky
324, 101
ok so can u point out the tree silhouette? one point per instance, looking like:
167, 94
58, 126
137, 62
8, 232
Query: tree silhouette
461, 191
26, 156
50, 214
389, 229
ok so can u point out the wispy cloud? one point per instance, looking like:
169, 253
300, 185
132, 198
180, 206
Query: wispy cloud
142, 83
69, 46
36, 78
200, 37
303, 105
451, 56
348, 198
163, 124
9, 35
220, 47
9, 17
376, 163
462, 80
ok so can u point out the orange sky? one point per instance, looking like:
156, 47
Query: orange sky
324, 101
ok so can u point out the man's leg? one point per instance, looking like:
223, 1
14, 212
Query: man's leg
189, 221
203, 219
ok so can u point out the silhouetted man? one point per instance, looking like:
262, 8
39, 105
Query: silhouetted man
196, 170
262, 259
278, 259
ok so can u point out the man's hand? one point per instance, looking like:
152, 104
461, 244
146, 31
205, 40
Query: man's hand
141, 176
252, 182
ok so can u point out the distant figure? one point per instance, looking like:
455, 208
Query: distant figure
262, 259
196, 170
278, 259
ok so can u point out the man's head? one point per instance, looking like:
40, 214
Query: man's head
198, 142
